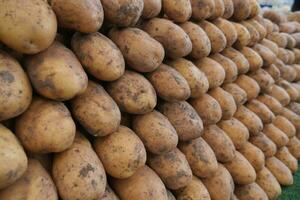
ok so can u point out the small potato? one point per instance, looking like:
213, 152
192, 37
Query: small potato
261, 110
236, 130
208, 109
229, 9
250, 191
266, 54
242, 9
96, 111
254, 59
151, 9
148, 183
200, 41
156, 132
109, 194
273, 71
46, 126
213, 71
263, 78
228, 29
133, 93
249, 119
260, 28
200, 157
195, 78
238, 58
278, 38
292, 117
243, 35
239, 95
202, 9
254, 34
268, 183
287, 86
169, 84
283, 154
122, 152
276, 135
285, 125
219, 9
220, 143
249, 85
177, 10
254, 155
172, 168
271, 45
267, 146
176, 42
215, 35
281, 172
280, 94
294, 147
184, 119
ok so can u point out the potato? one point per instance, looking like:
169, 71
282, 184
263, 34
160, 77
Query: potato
254, 35
176, 42
268, 183
30, 26
194, 190
274, 16
287, 27
249, 119
225, 100
220, 143
228, 65
268, 25
278, 38
133, 93
169, 84
255, 8
254, 155
44, 159
292, 117
239, 95
254, 59
122, 152
184, 119
208, 109
296, 85
200, 41
151, 9
297, 54
238, 58
172, 168
267, 146
195, 78
156, 132
260, 28
280, 94
148, 183
261, 110
263, 78
126, 119
170, 195
242, 9
280, 171
285, 125
36, 183
293, 92
291, 42
297, 69
287, 72
270, 45
276, 135
283, 55
250, 191
273, 71
283, 154
215, 35
220, 185
228, 30
236, 130
202, 9
295, 107
213, 71
200, 157
243, 35
15, 88
177, 11
294, 147
229, 9
249, 85
109, 194
266, 54
296, 36
78, 167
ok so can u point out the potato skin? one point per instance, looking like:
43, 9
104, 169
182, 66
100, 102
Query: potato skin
243, 35
292, 117
29, 28
238, 58
229, 9
293, 92
254, 59
250, 191
151, 9
273, 71
266, 54
280, 94
242, 9
178, 11
13, 155
261, 110
239, 95
170, 195
278, 38
219, 9
126, 91
276, 135
254, 35
271, 45
263, 78
281, 172
202, 9
267, 146
268, 183
294, 147
254, 155
249, 85
144, 59
121, 153
284, 155
15, 88
285, 125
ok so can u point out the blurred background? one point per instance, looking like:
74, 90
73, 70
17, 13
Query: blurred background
281, 5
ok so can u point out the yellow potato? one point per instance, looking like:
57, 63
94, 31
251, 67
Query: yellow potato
239, 95
250, 191
284, 155
276, 135
238, 58
228, 29
285, 125
254, 59
242, 9
268, 25
263, 78
273, 71
178, 11
261, 110
202, 9
254, 155
287, 27
291, 57
268, 183
281, 172
267, 146
229, 9
249, 85
244, 37
294, 147
151, 9
280, 94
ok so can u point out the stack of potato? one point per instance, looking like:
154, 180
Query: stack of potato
147, 100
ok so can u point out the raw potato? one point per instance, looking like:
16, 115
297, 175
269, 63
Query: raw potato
294, 147
239, 95
172, 168
254, 7
268, 183
177, 10
297, 54
242, 9
254, 59
260, 28
249, 85
14, 157
285, 125
15, 88
202, 9
156, 132
284, 155
200, 157
184, 119
268, 25
287, 72
228, 29
273, 71
109, 194
215, 35
276, 135
148, 183
280, 94
96, 111
254, 155
271, 45
295, 107
267, 146
266, 54
220, 143
263, 78
219, 9
144, 59
176, 42
195, 78
133, 93
169, 84
36, 183
27, 26
200, 41
287, 86
281, 172
274, 16
297, 69
151, 9
236, 130
229, 9
122, 153
250, 191
238, 58
292, 117
283, 55
85, 16
261, 110
243, 35
254, 35
278, 38
208, 109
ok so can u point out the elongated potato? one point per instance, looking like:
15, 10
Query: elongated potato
207, 108
268, 183
228, 29
238, 58
280, 94
242, 9
287, 27
239, 95
172, 168
278, 38
229, 9
144, 59
276, 135
169, 84
254, 59
176, 42
260, 28
286, 71
263, 78
243, 35
285, 125
261, 110
220, 143
202, 9
283, 154
184, 119
254, 35
133, 93
255, 8
271, 45
151, 8
219, 9
294, 147
250, 191
109, 194
254, 155
295, 107
273, 71
287, 86
267, 146
266, 54
178, 11
297, 54
281, 172
268, 25
200, 157
249, 85
283, 55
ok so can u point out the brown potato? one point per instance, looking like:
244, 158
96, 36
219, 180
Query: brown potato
276, 135
249, 85
291, 42
254, 34
219, 9
274, 16
121, 153
266, 54
184, 119
229, 9
261, 110
284, 155
283, 55
243, 35
45, 159
296, 36
242, 9
287, 86
273, 71
268, 25
287, 72
287, 27
263, 78
202, 9
228, 29
238, 58
295, 107
294, 147
271, 45
267, 146
280, 94
285, 125
239, 95
151, 9
260, 28
268, 183
254, 59
297, 54
254, 155
281, 172
278, 38
250, 191
178, 11
109, 194
292, 117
